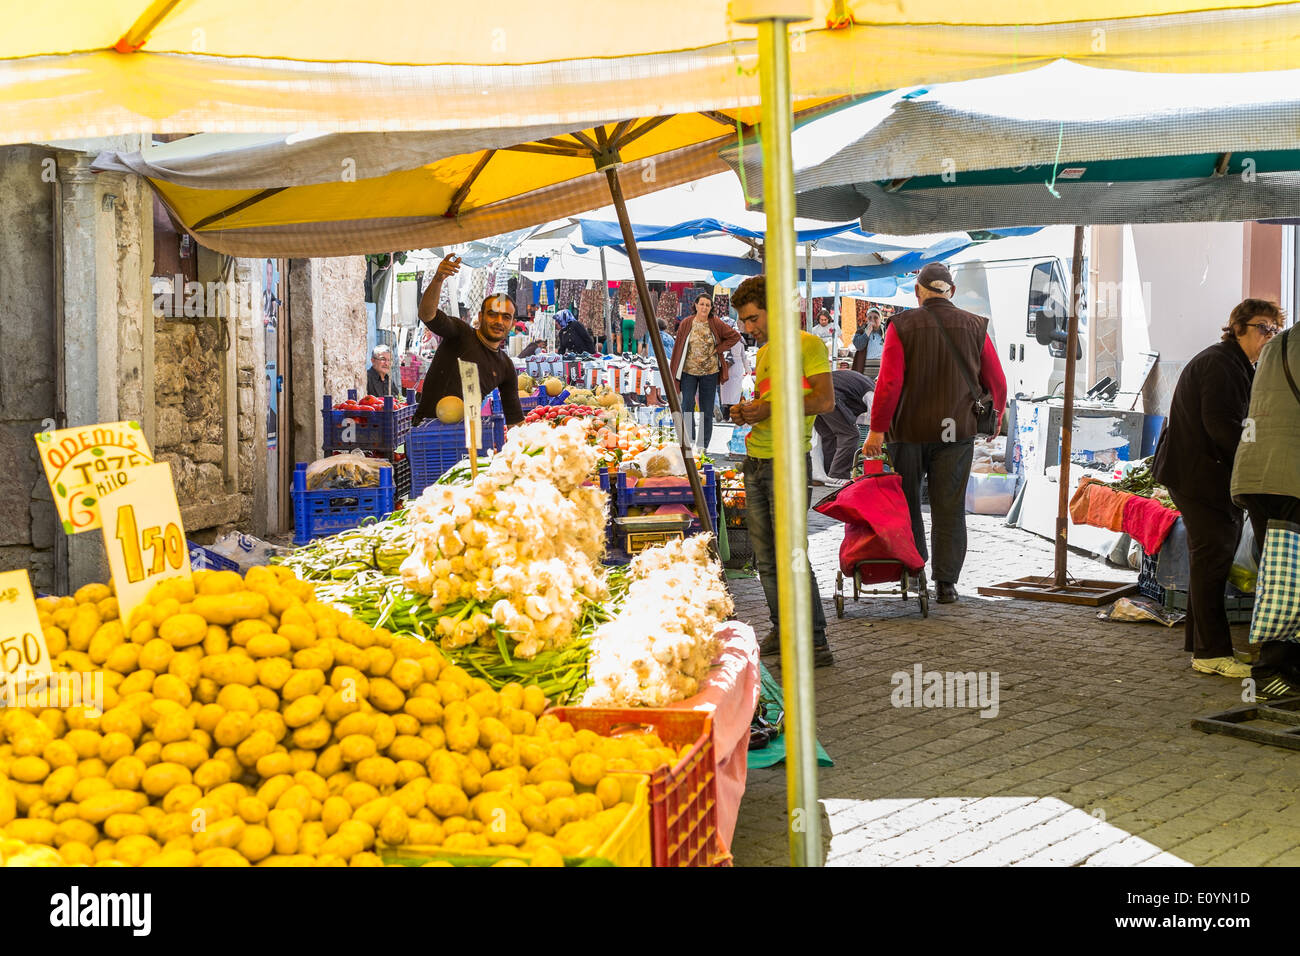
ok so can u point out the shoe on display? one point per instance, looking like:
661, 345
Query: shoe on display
945, 593
1223, 666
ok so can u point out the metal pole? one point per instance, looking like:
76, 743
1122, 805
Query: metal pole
1067, 414
604, 298
807, 286
665, 372
789, 466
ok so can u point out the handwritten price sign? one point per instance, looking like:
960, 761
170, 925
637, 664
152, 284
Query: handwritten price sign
143, 535
84, 464
23, 654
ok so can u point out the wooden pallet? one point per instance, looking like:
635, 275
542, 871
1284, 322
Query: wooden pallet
1232, 723
1086, 592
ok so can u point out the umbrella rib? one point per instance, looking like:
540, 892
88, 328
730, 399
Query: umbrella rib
585, 140
721, 118
238, 207
644, 128
136, 37
550, 150
1221, 166
620, 129
453, 208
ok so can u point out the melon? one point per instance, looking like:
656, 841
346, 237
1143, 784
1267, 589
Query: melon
553, 386
450, 410
526, 383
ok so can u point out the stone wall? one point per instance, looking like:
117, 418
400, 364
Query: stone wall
327, 322
26, 362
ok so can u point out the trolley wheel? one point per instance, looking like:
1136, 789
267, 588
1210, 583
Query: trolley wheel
924, 593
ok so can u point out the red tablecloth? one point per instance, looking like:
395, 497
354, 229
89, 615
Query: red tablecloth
731, 694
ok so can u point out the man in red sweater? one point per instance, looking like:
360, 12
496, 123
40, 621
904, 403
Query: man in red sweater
925, 404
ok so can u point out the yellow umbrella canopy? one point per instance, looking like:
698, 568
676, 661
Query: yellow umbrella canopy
345, 194
104, 67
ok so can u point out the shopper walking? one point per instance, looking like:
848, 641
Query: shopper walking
1266, 482
698, 364
730, 391
923, 400
1194, 460
750, 303
838, 428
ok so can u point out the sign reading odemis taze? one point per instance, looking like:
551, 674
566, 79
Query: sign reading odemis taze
86, 463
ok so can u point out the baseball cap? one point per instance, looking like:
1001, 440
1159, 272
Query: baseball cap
936, 278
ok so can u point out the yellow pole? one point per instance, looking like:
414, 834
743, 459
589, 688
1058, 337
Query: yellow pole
793, 587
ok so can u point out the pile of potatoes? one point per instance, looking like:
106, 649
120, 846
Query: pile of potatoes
245, 723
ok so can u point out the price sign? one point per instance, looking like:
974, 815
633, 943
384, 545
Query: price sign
23, 654
143, 535
472, 394
84, 464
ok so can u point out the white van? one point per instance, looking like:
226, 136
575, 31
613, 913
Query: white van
1010, 281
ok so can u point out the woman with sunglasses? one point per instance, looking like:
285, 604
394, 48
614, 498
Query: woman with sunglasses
1194, 461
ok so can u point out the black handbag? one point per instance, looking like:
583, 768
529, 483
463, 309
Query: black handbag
986, 416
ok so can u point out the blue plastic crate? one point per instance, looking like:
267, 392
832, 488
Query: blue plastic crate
381, 430
205, 559
628, 496
432, 448
327, 511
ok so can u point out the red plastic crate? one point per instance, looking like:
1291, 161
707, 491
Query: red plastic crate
684, 797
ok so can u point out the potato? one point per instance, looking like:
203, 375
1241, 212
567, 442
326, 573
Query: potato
227, 609
101, 806
163, 777
303, 711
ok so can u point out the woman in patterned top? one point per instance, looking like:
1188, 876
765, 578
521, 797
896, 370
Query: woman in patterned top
697, 363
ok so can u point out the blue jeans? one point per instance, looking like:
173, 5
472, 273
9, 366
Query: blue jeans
706, 388
760, 518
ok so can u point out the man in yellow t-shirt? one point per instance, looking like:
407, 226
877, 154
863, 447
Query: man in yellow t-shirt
750, 303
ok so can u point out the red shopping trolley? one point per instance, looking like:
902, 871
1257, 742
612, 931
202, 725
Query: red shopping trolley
878, 544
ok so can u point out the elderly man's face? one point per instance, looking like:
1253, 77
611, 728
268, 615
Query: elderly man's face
382, 363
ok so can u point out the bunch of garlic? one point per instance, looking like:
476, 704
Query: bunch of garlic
662, 644
524, 537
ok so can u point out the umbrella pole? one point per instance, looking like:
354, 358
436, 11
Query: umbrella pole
1092, 593
604, 297
1067, 413
789, 465
809, 319
656, 343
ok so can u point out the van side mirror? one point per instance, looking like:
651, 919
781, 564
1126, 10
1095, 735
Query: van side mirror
1046, 332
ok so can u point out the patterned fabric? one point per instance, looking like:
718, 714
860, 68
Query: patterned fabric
591, 312
667, 308
477, 292
701, 351
722, 306
523, 295
1277, 589
570, 292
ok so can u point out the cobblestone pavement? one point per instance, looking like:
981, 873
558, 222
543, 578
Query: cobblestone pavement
1090, 758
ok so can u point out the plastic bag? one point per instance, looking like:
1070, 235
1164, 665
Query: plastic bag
1140, 609
659, 462
344, 471
1245, 569
246, 550
737, 446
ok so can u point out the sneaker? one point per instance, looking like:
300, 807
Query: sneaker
945, 593
1274, 684
1223, 666
771, 644
822, 656
835, 482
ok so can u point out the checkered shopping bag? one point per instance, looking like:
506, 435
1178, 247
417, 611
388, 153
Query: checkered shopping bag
1277, 592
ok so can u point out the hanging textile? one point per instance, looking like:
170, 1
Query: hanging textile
667, 308
722, 305
523, 296
591, 312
